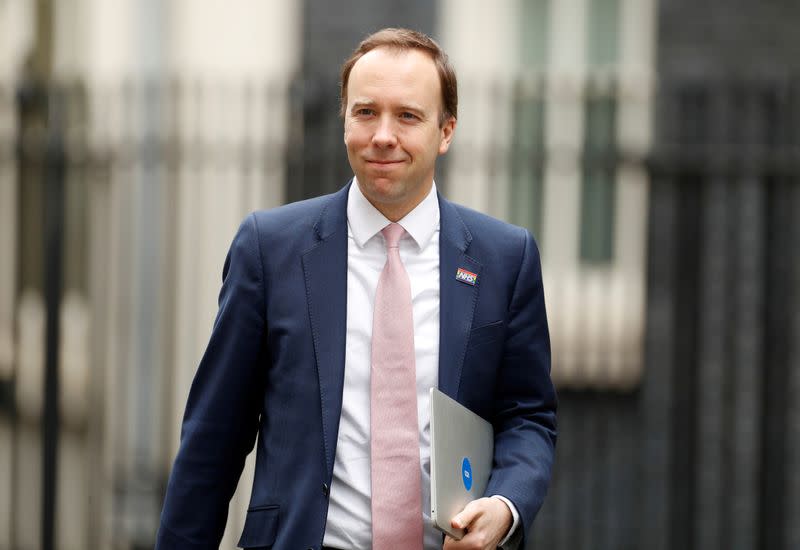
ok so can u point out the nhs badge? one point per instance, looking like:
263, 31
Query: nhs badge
466, 276
466, 473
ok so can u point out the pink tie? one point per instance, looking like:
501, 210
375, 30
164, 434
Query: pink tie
396, 485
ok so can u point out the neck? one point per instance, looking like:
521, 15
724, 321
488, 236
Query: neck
395, 212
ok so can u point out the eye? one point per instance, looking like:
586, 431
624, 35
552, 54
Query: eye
408, 116
364, 111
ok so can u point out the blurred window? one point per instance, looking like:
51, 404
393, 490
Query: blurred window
598, 189
598, 186
528, 138
534, 33
603, 29
527, 163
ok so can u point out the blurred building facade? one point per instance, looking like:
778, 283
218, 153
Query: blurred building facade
651, 163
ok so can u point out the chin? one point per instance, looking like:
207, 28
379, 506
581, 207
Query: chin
383, 190
386, 196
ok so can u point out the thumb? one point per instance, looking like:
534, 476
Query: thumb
463, 519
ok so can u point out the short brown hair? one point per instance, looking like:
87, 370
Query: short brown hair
406, 39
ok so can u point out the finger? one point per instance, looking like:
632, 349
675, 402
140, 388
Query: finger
472, 540
463, 519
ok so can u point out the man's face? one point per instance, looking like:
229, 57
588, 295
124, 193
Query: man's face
391, 128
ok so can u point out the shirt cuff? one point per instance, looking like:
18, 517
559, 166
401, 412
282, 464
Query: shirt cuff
514, 515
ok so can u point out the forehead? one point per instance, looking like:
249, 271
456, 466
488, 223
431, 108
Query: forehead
386, 74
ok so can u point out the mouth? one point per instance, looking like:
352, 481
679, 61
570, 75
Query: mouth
383, 162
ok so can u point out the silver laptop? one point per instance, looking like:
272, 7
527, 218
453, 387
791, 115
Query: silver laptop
462, 447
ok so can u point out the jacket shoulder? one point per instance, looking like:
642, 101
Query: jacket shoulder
300, 224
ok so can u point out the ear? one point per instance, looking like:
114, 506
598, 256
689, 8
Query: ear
447, 130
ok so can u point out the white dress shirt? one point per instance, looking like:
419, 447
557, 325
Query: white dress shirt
349, 524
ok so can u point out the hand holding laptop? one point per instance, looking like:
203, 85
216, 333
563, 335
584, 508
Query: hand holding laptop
462, 450
486, 522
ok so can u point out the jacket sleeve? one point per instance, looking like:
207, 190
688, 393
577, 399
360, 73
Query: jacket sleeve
525, 400
222, 413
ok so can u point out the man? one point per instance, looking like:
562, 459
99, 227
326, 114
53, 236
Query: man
337, 314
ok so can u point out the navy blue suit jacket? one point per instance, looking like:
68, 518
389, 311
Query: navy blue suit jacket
274, 366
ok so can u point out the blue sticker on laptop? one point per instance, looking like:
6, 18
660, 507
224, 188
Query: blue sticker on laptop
466, 473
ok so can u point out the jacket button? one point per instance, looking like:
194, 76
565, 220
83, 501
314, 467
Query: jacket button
325, 489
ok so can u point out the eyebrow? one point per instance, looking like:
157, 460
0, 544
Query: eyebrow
362, 103
412, 107
403, 107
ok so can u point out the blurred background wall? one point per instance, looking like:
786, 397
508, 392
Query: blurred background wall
651, 147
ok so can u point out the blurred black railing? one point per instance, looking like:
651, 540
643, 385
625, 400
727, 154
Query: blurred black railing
706, 453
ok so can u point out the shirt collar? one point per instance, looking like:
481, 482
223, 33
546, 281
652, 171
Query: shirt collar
365, 221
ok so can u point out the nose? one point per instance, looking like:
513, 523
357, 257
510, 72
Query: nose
385, 134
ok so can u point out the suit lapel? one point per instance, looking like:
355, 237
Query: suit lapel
325, 269
457, 299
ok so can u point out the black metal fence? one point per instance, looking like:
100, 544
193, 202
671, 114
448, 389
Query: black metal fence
706, 454
98, 174
724, 274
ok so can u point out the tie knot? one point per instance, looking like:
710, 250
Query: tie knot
392, 234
